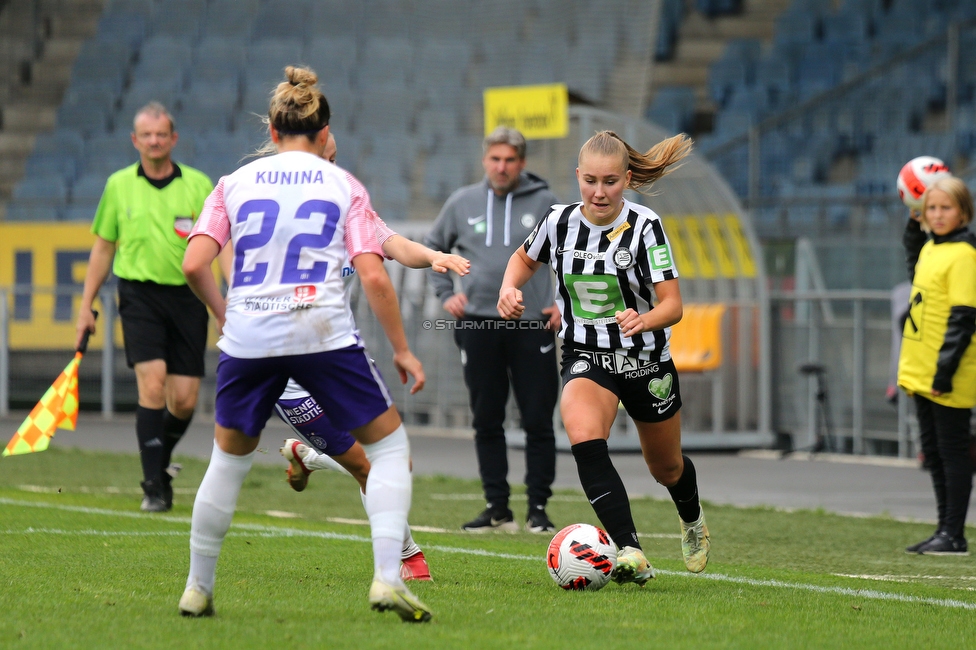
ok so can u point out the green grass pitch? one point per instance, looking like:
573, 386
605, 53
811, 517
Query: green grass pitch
81, 567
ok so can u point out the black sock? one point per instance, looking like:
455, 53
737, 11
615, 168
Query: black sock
149, 431
174, 428
684, 493
605, 491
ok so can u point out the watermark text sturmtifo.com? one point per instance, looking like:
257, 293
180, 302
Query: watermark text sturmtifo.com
451, 324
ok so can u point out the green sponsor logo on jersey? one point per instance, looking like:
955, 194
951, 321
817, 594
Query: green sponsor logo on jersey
660, 258
595, 298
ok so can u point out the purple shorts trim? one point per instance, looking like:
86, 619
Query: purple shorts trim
311, 424
344, 382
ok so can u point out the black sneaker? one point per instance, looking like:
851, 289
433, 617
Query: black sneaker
537, 521
915, 547
492, 519
154, 499
943, 544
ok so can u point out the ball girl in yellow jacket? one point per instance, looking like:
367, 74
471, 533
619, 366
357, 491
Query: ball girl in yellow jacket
938, 363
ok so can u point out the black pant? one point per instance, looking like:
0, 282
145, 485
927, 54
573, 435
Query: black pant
945, 437
527, 358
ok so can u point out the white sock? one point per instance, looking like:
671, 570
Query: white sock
388, 492
317, 460
213, 510
409, 546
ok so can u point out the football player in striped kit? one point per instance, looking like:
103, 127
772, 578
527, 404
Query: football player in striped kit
293, 219
617, 291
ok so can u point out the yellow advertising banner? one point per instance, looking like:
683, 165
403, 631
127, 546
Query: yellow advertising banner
539, 112
42, 272
682, 257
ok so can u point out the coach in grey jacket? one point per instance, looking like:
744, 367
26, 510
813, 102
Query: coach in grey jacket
486, 222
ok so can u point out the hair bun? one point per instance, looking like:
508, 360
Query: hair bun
300, 76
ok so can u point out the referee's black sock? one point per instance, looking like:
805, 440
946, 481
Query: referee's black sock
684, 493
152, 447
605, 491
174, 428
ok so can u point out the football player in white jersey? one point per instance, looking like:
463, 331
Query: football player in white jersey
608, 254
320, 445
293, 219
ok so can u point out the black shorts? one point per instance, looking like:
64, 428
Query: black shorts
163, 322
648, 389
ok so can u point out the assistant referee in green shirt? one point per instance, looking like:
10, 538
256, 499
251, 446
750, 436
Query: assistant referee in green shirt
142, 221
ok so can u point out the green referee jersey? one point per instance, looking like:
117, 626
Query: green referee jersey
150, 225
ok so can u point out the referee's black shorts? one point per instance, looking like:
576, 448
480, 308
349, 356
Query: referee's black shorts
163, 322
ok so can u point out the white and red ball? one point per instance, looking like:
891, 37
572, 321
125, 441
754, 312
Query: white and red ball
581, 557
915, 177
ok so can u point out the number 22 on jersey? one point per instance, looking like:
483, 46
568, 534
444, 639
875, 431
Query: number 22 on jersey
269, 212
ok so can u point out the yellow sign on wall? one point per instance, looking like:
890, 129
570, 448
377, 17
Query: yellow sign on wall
539, 112
42, 271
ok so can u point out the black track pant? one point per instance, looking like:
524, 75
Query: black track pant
945, 437
525, 359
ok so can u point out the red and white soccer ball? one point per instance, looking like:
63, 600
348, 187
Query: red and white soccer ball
915, 177
581, 557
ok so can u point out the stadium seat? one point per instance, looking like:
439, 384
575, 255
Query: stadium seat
336, 19
48, 189
230, 18
181, 19
444, 173
333, 58
88, 188
32, 211
386, 61
281, 19
673, 108
64, 141
87, 120
127, 28
696, 347
672, 12
209, 106
51, 164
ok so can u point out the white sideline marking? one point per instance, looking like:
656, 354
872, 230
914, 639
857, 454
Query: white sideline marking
900, 578
275, 531
84, 489
514, 497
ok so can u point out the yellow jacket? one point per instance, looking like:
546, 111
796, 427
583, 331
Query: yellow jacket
936, 351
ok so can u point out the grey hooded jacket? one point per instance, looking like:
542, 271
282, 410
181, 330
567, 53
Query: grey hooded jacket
486, 229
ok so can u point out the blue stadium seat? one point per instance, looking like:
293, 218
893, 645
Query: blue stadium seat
266, 61
673, 108
386, 60
128, 28
141, 7
181, 19
209, 106
672, 11
337, 19
42, 188
333, 58
846, 27
140, 93
87, 190
31, 210
52, 164
63, 141
230, 18
385, 109
713, 8
84, 119
281, 19
445, 173
724, 76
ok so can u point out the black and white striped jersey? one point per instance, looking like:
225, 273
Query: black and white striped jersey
601, 270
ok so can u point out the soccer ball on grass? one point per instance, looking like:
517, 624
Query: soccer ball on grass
581, 557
